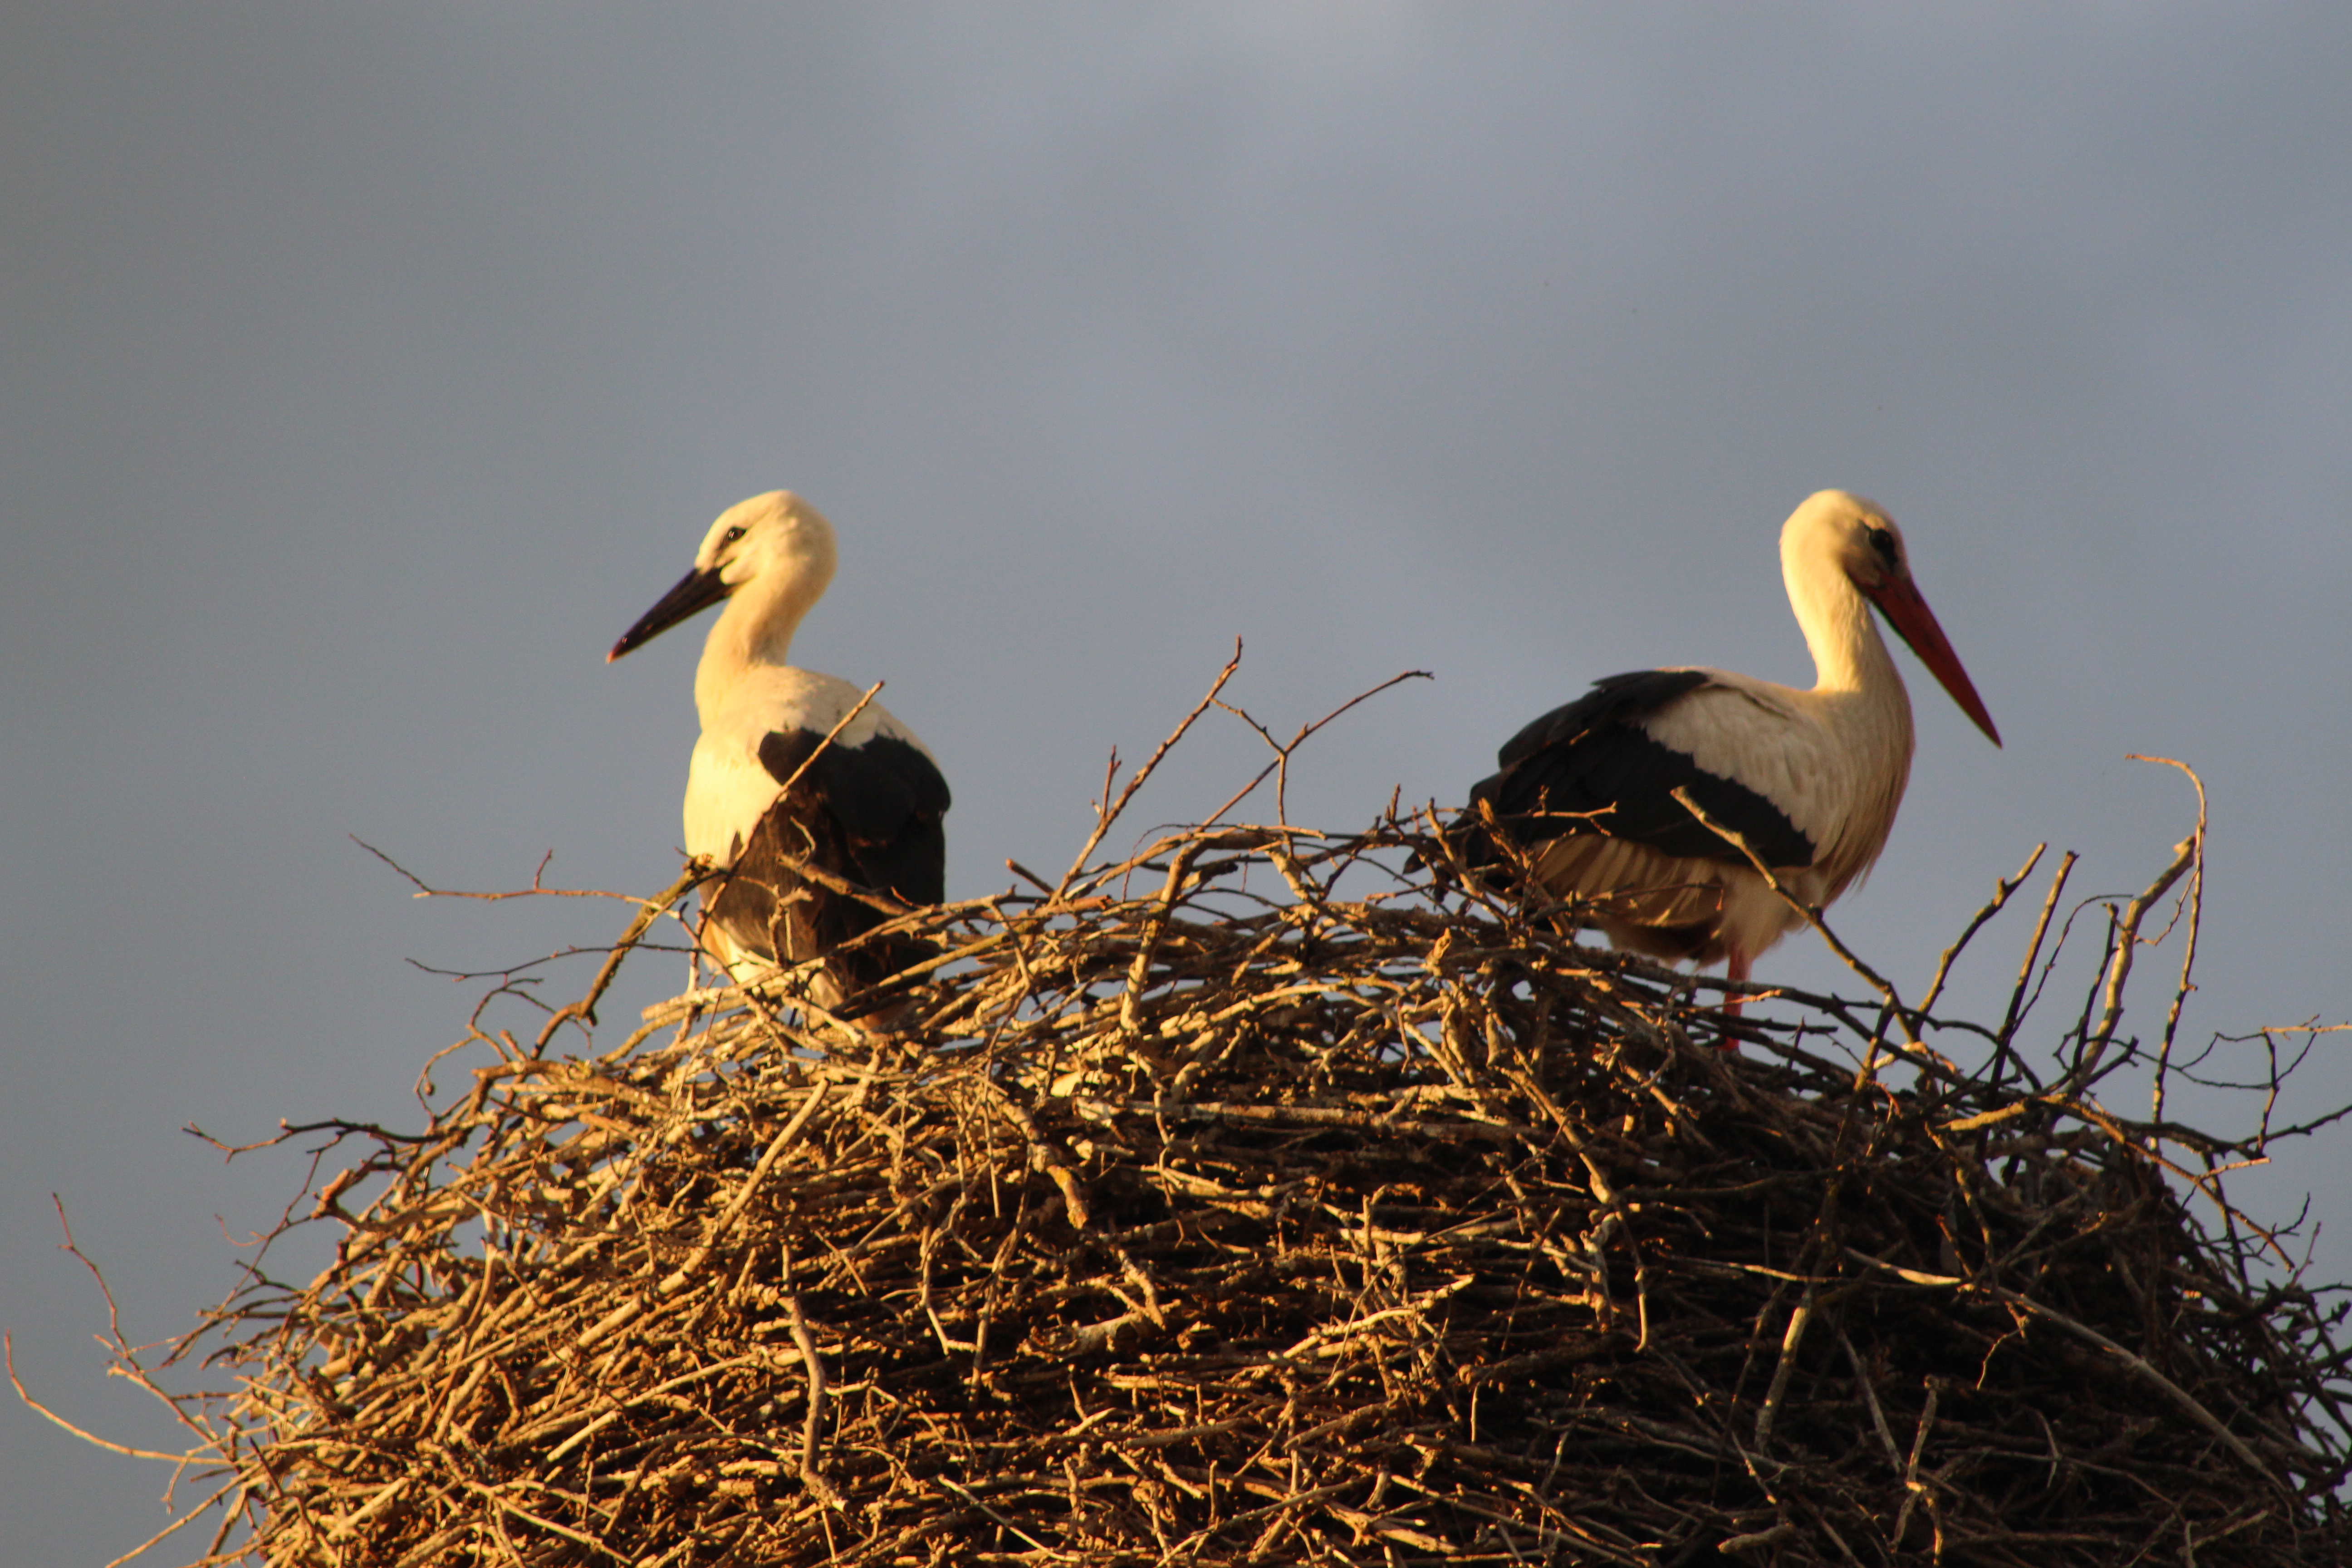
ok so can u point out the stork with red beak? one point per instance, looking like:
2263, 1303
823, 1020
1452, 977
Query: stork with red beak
1809, 780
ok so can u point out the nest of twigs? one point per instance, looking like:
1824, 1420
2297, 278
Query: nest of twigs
1272, 1197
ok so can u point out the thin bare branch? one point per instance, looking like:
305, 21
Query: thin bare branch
1280, 1199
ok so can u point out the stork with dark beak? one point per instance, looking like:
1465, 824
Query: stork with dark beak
864, 807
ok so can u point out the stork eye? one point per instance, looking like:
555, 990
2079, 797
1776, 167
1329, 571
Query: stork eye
1883, 541
730, 537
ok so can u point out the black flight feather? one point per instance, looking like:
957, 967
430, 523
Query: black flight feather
1590, 767
870, 815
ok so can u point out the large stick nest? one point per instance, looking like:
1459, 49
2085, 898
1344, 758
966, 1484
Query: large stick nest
1259, 1200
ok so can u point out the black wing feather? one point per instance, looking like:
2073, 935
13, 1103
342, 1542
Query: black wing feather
1590, 767
871, 813
889, 798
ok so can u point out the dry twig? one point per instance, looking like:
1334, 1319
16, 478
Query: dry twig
1203, 1225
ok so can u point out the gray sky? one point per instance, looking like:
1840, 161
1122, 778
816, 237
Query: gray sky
366, 370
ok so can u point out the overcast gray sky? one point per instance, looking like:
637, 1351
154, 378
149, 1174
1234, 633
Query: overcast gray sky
366, 370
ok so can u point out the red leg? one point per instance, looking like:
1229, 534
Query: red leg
1734, 968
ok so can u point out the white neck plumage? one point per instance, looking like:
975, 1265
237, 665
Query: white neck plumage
1857, 692
753, 631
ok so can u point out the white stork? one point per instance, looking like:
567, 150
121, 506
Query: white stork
866, 808
1811, 780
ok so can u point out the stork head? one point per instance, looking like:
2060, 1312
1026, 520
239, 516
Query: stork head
1835, 532
774, 551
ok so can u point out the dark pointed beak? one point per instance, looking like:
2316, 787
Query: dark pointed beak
1899, 599
695, 591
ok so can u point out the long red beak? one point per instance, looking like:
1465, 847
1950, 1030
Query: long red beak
1899, 601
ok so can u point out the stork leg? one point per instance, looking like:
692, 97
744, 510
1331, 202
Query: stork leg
1734, 967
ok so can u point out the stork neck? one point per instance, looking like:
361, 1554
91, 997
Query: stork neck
754, 630
1859, 698
1849, 656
